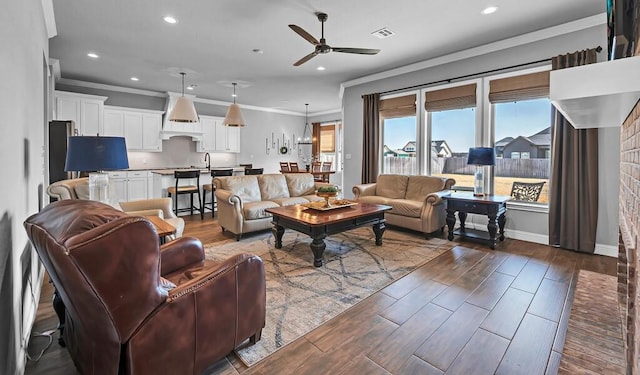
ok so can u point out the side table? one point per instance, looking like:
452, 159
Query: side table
493, 206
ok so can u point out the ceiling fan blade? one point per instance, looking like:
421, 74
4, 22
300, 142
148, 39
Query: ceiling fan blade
305, 59
300, 31
360, 51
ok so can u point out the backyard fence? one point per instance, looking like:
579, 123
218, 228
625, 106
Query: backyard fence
522, 168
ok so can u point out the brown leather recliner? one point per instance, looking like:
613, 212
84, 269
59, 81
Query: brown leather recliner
120, 318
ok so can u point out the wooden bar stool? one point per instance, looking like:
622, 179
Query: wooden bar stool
212, 205
178, 190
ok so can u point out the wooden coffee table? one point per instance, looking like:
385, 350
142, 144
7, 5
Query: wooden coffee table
320, 224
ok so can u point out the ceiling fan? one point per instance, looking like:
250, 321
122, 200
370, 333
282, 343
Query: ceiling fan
322, 46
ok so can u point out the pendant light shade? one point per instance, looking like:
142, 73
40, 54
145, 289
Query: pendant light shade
234, 116
183, 110
306, 134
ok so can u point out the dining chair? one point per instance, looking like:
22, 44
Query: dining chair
284, 166
293, 167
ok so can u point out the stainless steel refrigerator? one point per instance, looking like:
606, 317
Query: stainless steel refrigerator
59, 131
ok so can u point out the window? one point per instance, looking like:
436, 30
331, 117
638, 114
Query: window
399, 135
329, 150
451, 119
510, 112
522, 128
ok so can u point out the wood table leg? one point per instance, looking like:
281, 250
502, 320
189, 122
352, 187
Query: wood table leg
502, 219
492, 227
318, 246
278, 232
451, 222
378, 229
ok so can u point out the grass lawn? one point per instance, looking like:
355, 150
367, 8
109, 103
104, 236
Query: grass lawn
502, 184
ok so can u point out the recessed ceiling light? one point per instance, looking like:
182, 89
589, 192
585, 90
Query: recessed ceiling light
191, 87
320, 68
234, 95
258, 51
489, 10
169, 19
92, 55
134, 79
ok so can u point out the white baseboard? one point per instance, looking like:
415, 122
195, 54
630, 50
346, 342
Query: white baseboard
601, 249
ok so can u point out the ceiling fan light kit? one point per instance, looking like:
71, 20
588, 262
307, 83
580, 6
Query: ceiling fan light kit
183, 110
234, 116
321, 47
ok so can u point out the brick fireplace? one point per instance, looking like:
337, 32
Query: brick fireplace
629, 243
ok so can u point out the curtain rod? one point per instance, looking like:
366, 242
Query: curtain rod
449, 80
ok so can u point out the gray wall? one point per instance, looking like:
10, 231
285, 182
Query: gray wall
25, 50
533, 223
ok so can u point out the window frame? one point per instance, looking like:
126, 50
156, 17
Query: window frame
418, 94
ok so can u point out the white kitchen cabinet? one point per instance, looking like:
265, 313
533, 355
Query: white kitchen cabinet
227, 138
85, 110
129, 186
208, 141
141, 128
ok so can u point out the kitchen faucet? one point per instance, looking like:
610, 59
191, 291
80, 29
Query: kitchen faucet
207, 160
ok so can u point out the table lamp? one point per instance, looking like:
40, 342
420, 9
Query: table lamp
96, 155
480, 157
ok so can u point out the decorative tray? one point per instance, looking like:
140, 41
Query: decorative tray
321, 206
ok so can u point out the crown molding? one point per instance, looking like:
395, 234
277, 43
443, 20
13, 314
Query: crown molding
102, 86
327, 112
129, 90
535, 36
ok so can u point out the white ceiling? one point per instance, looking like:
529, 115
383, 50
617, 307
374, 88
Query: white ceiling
213, 41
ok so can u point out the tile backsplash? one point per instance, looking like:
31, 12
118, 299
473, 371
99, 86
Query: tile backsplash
178, 152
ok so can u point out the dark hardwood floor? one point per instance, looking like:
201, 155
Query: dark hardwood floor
469, 311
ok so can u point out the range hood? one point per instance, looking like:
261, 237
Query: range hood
597, 95
179, 129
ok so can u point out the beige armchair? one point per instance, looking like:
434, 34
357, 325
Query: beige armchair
78, 188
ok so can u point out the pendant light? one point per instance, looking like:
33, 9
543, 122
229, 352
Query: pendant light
306, 134
183, 110
234, 116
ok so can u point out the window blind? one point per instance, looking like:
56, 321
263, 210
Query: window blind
524, 87
401, 106
452, 98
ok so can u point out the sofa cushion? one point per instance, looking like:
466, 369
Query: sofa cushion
246, 187
82, 191
421, 186
300, 184
290, 201
406, 207
273, 186
374, 199
391, 185
255, 210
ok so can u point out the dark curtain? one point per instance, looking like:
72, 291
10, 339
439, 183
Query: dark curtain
371, 137
573, 190
315, 136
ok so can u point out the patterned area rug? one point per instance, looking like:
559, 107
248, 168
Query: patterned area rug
301, 297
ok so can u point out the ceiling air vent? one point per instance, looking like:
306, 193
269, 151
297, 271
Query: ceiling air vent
383, 33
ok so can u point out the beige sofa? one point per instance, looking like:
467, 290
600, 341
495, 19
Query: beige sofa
416, 200
242, 200
78, 188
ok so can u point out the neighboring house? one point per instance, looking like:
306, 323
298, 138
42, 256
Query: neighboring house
398, 153
410, 147
537, 146
500, 146
441, 148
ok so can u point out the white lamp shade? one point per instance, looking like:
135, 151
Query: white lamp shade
183, 111
234, 116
